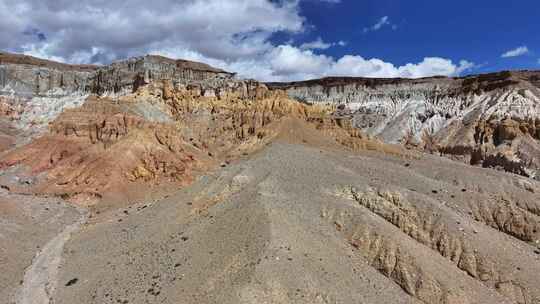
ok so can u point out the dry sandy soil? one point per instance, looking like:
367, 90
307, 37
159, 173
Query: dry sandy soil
300, 221
28, 227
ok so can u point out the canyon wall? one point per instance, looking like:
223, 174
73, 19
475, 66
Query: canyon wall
124, 77
35, 91
491, 120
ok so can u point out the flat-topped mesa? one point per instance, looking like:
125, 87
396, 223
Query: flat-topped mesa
395, 109
27, 76
44, 88
9, 58
126, 76
465, 117
345, 89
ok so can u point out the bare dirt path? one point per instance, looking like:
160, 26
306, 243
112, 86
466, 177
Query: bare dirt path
40, 279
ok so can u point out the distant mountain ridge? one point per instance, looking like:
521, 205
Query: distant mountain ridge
482, 81
491, 120
21, 74
38, 90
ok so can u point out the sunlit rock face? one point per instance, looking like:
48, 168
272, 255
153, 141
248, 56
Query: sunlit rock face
491, 120
42, 89
125, 77
89, 133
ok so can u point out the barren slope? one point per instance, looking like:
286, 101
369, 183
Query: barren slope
26, 225
306, 224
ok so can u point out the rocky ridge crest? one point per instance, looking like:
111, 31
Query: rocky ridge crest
39, 89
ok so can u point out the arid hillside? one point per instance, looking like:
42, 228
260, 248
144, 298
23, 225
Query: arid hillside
164, 181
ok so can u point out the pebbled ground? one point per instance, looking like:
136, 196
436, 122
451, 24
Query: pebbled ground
27, 224
305, 224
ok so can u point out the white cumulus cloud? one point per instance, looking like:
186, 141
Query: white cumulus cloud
233, 34
384, 21
287, 62
319, 44
519, 51
73, 29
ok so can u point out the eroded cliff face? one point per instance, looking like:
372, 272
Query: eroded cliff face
491, 120
110, 132
125, 77
159, 137
162, 136
40, 89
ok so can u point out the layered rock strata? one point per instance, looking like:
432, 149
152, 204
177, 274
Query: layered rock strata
42, 88
490, 120
161, 136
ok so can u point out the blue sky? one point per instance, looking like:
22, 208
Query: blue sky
284, 40
476, 30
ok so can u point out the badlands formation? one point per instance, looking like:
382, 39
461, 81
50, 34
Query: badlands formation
490, 120
154, 180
